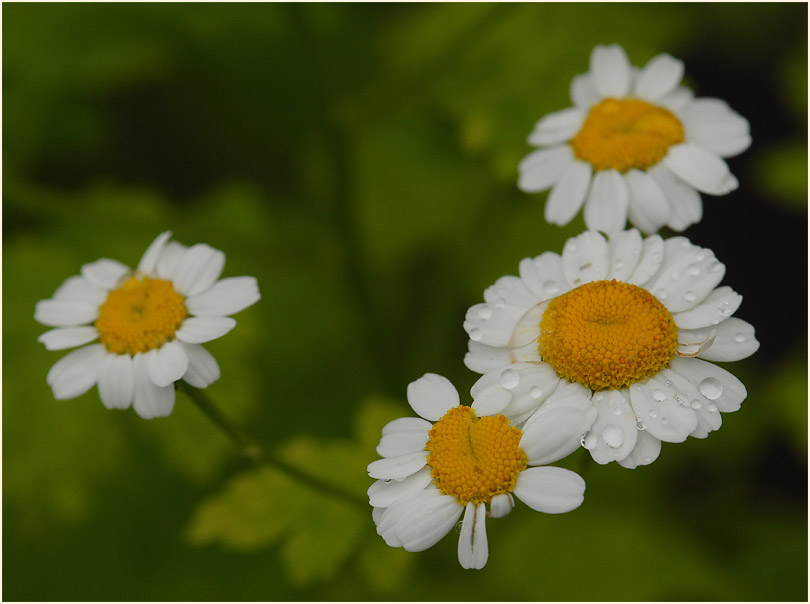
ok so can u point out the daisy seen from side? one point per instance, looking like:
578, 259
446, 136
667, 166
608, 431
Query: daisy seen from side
636, 145
453, 460
149, 323
633, 322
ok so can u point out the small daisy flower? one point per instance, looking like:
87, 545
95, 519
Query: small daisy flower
150, 325
635, 145
632, 321
466, 462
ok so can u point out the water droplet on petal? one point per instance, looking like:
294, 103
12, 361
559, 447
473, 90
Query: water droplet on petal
476, 334
588, 440
696, 404
613, 436
659, 395
664, 421
661, 294
509, 378
535, 392
711, 388
694, 270
640, 425
716, 266
740, 337
724, 308
485, 312
500, 303
712, 408
690, 296
550, 287
653, 414
618, 265
617, 411
700, 256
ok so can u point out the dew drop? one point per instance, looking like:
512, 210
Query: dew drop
724, 308
659, 395
693, 270
476, 334
696, 404
509, 378
550, 287
664, 421
653, 414
661, 294
485, 312
500, 303
739, 337
613, 436
700, 256
535, 392
618, 265
690, 296
617, 411
716, 266
712, 408
588, 440
711, 388
647, 459
640, 425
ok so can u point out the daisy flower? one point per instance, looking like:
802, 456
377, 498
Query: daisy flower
633, 322
149, 324
635, 145
453, 460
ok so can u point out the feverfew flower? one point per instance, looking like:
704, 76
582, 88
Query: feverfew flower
150, 324
635, 145
632, 322
472, 463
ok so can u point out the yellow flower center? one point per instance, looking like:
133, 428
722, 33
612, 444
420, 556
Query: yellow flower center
607, 335
626, 133
140, 315
474, 459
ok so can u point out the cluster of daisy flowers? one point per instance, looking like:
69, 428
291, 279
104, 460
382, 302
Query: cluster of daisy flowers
607, 346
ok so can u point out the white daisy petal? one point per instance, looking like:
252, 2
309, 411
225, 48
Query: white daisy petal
481, 358
625, 252
432, 395
116, 381
734, 341
397, 468
550, 490
384, 493
104, 273
687, 276
614, 432
677, 100
78, 289
685, 205
583, 92
648, 206
713, 125
149, 400
166, 364
651, 257
473, 551
203, 369
489, 397
64, 313
714, 383
543, 275
537, 382
198, 269
196, 330
68, 337
568, 195
492, 323
646, 451
557, 127
402, 437
149, 260
501, 505
170, 257
606, 206
585, 258
429, 517
77, 372
542, 168
664, 411
554, 434
702, 169
509, 290
720, 304
610, 70
225, 297
659, 77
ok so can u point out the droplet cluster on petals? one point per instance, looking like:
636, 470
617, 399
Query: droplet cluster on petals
474, 458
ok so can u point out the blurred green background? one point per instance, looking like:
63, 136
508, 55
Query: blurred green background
361, 161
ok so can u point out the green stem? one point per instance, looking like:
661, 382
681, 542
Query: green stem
255, 452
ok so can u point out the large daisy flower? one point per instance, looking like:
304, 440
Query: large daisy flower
453, 460
149, 323
635, 145
634, 322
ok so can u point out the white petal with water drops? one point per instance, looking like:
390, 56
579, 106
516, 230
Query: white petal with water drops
735, 340
696, 371
553, 434
481, 358
658, 407
614, 431
625, 252
646, 451
585, 258
719, 305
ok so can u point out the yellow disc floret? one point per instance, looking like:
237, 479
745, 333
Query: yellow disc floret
140, 315
472, 458
607, 335
626, 133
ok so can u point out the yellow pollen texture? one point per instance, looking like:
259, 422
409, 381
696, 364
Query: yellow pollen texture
626, 133
607, 335
140, 315
472, 458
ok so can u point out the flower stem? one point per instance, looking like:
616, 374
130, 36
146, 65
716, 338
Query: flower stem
255, 452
